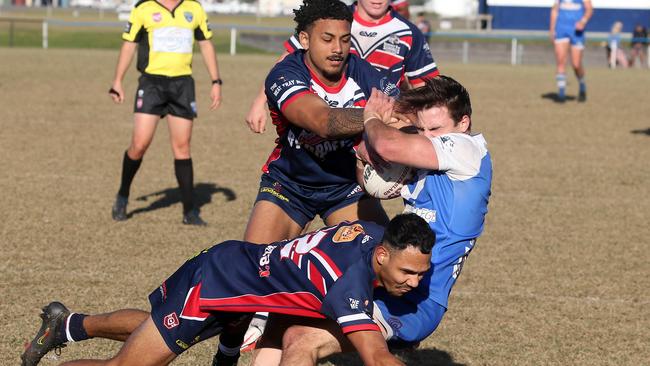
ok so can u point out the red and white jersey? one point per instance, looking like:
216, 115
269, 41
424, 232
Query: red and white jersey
394, 46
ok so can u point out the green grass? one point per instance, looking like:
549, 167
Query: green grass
30, 35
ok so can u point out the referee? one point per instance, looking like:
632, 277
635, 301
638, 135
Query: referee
163, 32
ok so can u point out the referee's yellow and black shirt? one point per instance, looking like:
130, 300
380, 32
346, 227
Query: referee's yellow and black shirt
166, 38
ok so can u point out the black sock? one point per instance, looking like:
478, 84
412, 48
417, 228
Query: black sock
185, 178
73, 331
129, 168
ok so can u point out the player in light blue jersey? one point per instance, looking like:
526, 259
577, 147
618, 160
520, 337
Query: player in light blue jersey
568, 21
451, 193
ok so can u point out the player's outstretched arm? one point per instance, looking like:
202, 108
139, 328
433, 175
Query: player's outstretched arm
123, 61
312, 113
210, 60
372, 348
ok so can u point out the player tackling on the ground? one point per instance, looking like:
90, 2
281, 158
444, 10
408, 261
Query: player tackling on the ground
328, 273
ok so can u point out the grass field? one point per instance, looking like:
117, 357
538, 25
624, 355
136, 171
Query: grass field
560, 276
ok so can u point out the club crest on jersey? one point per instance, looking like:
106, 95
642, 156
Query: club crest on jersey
157, 17
367, 34
188, 16
392, 45
171, 320
347, 233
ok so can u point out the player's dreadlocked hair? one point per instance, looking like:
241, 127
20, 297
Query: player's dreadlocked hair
313, 10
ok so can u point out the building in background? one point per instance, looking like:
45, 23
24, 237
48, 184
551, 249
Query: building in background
535, 14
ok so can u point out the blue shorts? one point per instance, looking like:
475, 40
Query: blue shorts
407, 323
303, 203
174, 310
576, 38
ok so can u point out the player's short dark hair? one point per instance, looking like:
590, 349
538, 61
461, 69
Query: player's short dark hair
409, 230
313, 10
437, 92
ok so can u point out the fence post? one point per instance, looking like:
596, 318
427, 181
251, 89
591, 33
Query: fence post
45, 35
11, 33
513, 52
465, 52
233, 41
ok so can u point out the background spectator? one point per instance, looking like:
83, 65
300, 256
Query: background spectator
639, 45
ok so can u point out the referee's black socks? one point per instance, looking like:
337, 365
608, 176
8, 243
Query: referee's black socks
129, 168
185, 177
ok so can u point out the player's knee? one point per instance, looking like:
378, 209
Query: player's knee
309, 342
137, 149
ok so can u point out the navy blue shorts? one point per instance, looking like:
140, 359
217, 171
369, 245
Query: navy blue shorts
303, 203
175, 311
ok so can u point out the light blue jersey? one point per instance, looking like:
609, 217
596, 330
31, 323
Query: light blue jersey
570, 12
453, 200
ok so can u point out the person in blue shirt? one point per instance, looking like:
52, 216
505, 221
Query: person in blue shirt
450, 192
329, 273
568, 21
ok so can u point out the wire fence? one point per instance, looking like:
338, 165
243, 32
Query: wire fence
467, 46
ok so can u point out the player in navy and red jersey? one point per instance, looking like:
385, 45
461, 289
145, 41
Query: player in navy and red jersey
381, 36
330, 273
402, 7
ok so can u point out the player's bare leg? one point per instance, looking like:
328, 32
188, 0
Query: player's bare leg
144, 127
306, 343
269, 223
117, 325
579, 69
368, 209
145, 347
561, 55
180, 135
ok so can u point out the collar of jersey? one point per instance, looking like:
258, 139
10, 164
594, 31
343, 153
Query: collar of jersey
329, 89
170, 11
387, 18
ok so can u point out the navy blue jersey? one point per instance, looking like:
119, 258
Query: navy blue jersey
301, 156
327, 273
394, 46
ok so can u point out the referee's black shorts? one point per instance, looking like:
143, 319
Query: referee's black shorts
162, 95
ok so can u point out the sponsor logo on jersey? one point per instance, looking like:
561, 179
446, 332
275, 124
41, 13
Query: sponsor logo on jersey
320, 147
428, 215
356, 190
364, 33
188, 16
171, 320
275, 191
182, 344
388, 88
365, 240
347, 233
193, 106
331, 103
139, 103
127, 27
157, 17
354, 303
163, 291
394, 323
265, 269
447, 143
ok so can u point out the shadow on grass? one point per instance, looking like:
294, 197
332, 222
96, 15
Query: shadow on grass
555, 98
641, 132
203, 193
419, 357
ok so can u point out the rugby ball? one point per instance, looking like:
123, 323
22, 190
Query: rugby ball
389, 182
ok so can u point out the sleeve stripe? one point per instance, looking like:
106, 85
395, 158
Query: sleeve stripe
292, 99
422, 70
353, 317
289, 93
356, 328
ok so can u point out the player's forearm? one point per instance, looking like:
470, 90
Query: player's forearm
344, 122
124, 60
209, 58
589, 11
553, 18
